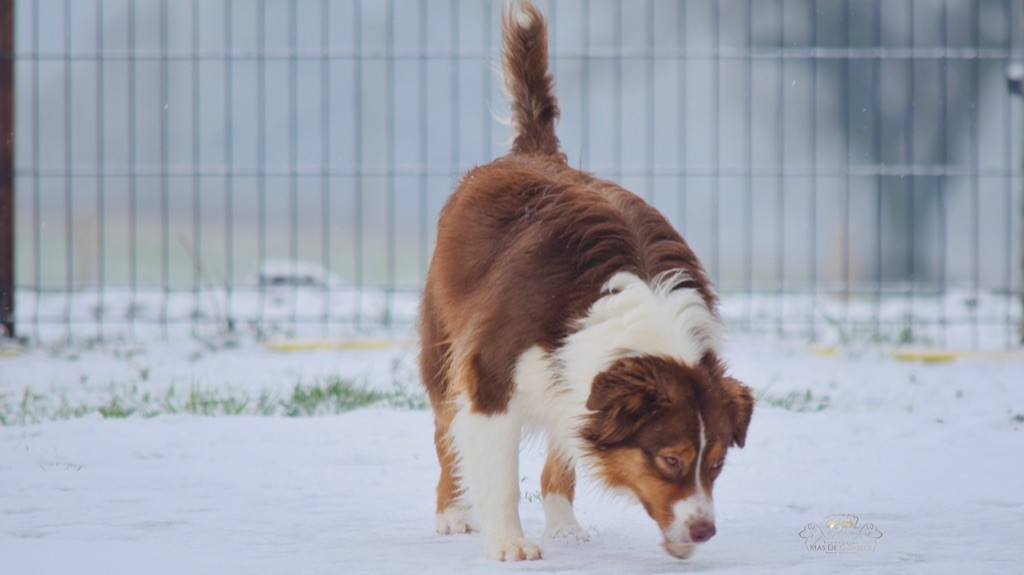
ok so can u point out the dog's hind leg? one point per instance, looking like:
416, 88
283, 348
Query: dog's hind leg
453, 513
557, 488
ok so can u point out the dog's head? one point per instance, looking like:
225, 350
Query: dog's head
661, 429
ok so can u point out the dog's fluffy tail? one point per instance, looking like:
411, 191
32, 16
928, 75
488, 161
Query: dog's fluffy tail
528, 85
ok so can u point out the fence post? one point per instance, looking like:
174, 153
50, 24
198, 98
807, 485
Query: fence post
7, 167
1015, 84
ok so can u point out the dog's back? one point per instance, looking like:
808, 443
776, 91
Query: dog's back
526, 242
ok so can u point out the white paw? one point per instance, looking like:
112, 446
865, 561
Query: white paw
455, 520
680, 550
570, 532
520, 549
560, 521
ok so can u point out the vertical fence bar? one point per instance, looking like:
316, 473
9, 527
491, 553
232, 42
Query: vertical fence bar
780, 179
453, 79
421, 80
293, 159
392, 158
165, 204
197, 218
325, 160
748, 180
681, 45
649, 118
844, 253
7, 167
1021, 232
1008, 191
37, 279
69, 206
617, 79
357, 137
229, 176
101, 204
584, 158
941, 204
911, 183
132, 176
812, 243
261, 156
487, 25
975, 145
876, 80
716, 164
552, 18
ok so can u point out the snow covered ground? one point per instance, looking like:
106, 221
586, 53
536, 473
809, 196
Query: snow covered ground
931, 454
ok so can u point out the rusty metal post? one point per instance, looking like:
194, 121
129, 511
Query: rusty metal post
7, 168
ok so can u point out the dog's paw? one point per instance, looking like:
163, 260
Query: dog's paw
560, 522
520, 549
680, 550
455, 520
571, 532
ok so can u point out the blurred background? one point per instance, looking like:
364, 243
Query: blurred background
844, 168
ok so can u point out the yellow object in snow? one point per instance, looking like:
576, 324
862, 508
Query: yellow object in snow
947, 355
299, 345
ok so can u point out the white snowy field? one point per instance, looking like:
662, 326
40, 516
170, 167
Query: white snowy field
931, 454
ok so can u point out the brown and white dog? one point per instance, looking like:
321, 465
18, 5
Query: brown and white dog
560, 303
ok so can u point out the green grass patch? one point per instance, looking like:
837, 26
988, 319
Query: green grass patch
853, 334
336, 396
324, 397
800, 402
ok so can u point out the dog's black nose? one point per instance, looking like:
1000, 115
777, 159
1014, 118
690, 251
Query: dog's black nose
701, 531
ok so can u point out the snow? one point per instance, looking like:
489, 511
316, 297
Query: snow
930, 454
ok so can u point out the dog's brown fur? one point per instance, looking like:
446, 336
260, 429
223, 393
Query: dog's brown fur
525, 245
529, 86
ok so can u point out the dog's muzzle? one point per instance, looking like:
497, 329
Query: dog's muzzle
699, 532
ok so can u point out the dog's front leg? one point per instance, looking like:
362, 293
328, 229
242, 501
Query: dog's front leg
489, 464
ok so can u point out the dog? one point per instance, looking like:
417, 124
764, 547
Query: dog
560, 303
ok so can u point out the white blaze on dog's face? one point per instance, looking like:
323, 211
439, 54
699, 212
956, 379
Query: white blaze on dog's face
662, 430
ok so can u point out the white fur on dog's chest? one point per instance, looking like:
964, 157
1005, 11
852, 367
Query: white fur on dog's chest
632, 318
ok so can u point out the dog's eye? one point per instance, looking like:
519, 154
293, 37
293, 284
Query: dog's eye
671, 460
718, 464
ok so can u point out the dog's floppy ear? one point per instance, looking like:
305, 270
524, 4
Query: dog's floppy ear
623, 397
739, 404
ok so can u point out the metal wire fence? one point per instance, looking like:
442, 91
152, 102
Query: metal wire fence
845, 169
